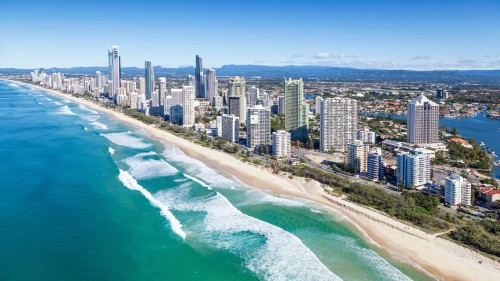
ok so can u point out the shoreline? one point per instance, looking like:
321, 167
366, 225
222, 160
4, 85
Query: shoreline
436, 256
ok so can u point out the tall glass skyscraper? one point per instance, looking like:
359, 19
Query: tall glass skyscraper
211, 85
296, 110
116, 74
150, 79
199, 80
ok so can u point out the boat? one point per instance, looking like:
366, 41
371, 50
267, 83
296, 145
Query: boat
481, 144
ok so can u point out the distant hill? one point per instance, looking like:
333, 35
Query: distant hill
306, 72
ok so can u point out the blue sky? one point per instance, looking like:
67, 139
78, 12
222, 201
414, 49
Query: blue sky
366, 34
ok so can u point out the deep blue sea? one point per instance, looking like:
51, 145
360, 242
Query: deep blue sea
84, 197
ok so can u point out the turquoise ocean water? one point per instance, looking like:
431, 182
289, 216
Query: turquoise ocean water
84, 197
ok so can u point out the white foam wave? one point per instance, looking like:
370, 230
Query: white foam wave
198, 181
143, 166
82, 107
267, 250
13, 85
64, 110
47, 99
85, 128
90, 118
257, 197
126, 139
384, 268
111, 150
99, 125
194, 167
57, 103
130, 183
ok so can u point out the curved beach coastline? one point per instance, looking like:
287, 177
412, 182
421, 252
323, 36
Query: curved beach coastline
440, 257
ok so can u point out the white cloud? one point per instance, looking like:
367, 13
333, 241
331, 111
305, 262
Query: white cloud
322, 55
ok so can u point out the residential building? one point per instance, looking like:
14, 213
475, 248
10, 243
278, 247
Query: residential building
338, 123
296, 110
457, 191
414, 168
357, 157
188, 113
211, 86
423, 121
376, 169
281, 144
258, 122
150, 79
237, 107
281, 105
230, 128
253, 96
199, 79
237, 87
116, 70
366, 136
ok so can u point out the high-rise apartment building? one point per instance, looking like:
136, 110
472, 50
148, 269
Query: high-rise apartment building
414, 168
150, 79
211, 86
188, 113
117, 72
423, 121
457, 191
237, 106
296, 110
199, 79
230, 128
281, 145
338, 123
376, 169
237, 87
258, 121
357, 157
366, 136
253, 96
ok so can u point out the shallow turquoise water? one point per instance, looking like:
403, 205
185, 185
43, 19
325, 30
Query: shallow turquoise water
87, 198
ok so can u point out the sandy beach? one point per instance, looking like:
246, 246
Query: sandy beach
439, 257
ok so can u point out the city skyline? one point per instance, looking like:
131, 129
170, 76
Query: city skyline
388, 35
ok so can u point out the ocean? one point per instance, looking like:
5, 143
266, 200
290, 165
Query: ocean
87, 198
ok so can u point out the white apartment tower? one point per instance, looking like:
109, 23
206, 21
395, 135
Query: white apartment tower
423, 121
339, 123
258, 127
414, 168
230, 128
188, 113
457, 191
357, 156
281, 145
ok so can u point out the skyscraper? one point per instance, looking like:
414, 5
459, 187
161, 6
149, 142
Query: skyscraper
198, 78
117, 70
414, 168
162, 93
423, 121
188, 113
338, 123
211, 86
237, 107
357, 157
253, 96
366, 136
296, 110
150, 79
190, 81
376, 167
258, 123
